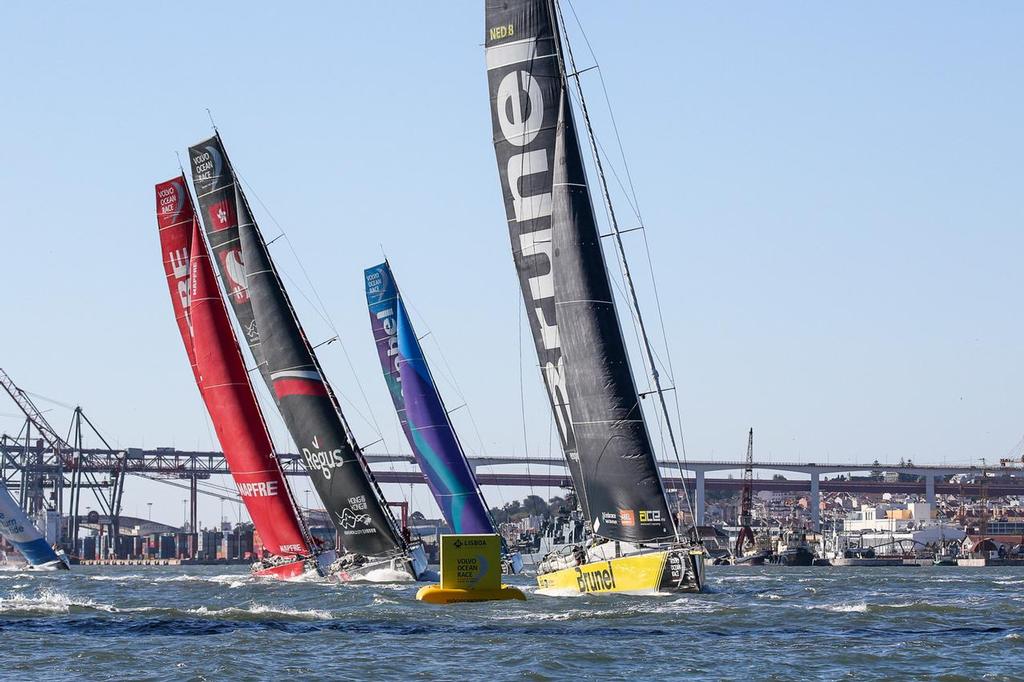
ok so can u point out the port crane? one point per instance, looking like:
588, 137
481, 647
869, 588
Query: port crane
746, 533
52, 461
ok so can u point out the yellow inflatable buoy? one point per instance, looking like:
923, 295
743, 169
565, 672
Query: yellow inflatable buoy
435, 594
470, 571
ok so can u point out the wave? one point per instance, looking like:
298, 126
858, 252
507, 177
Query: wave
860, 607
260, 610
49, 601
384, 575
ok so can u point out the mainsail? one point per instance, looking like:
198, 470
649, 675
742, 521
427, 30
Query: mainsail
219, 371
420, 409
16, 528
287, 362
556, 248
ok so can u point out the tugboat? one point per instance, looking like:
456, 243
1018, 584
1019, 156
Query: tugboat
793, 550
947, 555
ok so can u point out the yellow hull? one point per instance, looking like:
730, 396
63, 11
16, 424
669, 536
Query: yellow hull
647, 572
435, 594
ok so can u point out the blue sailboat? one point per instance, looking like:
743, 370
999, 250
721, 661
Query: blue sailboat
18, 530
422, 413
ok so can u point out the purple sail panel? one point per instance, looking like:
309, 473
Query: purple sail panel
420, 409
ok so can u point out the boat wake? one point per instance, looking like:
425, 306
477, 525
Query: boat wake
384, 575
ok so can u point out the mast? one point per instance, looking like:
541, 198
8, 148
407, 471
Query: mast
420, 408
634, 300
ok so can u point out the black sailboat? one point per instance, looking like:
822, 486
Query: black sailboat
311, 412
571, 309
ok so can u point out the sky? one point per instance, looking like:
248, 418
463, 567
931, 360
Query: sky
830, 195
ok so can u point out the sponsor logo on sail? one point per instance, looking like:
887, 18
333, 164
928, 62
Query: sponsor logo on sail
595, 579
170, 199
650, 517
610, 518
626, 517
525, 166
222, 215
257, 489
234, 272
390, 324
326, 460
354, 514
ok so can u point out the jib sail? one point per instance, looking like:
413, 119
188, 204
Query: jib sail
219, 371
556, 247
420, 409
305, 399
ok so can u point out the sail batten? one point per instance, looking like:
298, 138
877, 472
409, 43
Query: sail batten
220, 374
288, 364
420, 408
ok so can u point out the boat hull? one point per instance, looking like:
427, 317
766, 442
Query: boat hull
658, 571
287, 571
407, 567
758, 559
794, 557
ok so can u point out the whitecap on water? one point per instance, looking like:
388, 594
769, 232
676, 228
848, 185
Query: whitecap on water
860, 607
116, 578
48, 601
385, 575
255, 609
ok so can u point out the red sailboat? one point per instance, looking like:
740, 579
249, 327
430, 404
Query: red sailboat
219, 370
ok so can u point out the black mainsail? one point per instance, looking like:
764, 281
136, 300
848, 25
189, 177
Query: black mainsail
307, 403
568, 294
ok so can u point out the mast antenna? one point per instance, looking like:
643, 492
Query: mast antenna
623, 262
212, 124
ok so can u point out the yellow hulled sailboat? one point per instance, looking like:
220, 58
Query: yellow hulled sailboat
634, 544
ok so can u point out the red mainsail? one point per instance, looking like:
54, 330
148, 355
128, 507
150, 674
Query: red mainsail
219, 371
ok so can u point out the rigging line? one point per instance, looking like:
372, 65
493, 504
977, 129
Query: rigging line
453, 383
635, 203
611, 113
335, 400
48, 400
622, 257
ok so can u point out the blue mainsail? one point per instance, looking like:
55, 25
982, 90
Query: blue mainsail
420, 409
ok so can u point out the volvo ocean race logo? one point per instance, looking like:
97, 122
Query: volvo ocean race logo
171, 199
324, 460
207, 166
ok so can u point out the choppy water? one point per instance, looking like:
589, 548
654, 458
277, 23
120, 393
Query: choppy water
756, 623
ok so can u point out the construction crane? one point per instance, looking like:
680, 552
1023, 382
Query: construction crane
60, 459
746, 500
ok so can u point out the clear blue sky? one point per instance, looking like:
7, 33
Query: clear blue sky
832, 196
